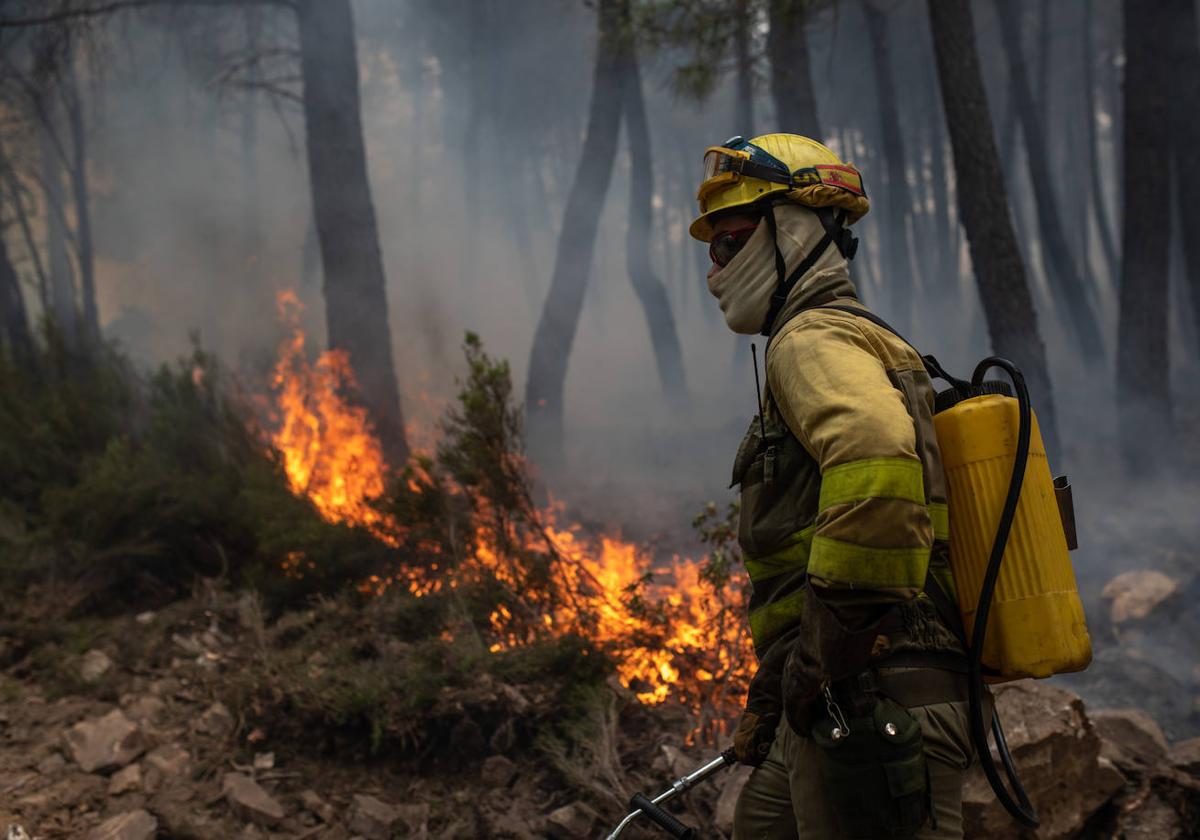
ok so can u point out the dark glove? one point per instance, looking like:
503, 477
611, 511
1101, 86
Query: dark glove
824, 651
764, 706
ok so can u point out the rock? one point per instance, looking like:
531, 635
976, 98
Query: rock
104, 743
94, 665
51, 764
216, 720
1131, 596
1150, 819
1129, 738
16, 832
145, 708
1057, 754
169, 759
1185, 756
372, 818
125, 780
498, 771
415, 819
264, 761
250, 801
726, 803
316, 805
134, 825
574, 820
145, 617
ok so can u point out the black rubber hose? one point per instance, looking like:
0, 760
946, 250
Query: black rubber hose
667, 821
1023, 810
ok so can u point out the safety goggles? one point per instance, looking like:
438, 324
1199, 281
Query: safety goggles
725, 246
736, 159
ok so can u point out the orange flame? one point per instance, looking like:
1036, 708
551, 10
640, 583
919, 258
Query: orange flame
682, 646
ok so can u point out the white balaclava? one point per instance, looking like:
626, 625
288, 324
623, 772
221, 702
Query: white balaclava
744, 287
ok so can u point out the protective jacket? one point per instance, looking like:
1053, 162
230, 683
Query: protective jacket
845, 499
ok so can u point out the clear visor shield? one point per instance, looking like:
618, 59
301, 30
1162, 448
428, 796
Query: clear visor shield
717, 164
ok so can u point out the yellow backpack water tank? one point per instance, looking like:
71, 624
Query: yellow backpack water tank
1036, 626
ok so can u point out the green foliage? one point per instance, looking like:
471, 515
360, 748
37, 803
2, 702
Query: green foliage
129, 486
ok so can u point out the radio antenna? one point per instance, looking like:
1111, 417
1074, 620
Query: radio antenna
762, 424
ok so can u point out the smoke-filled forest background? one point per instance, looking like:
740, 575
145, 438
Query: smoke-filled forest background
200, 198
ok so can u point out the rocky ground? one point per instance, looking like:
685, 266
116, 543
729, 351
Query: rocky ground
137, 727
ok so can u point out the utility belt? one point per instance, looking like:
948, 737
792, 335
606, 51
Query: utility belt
873, 763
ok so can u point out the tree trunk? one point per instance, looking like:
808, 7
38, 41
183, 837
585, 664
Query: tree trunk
791, 70
1143, 383
1099, 202
555, 333
81, 198
356, 311
62, 297
1072, 295
897, 265
649, 288
743, 106
1185, 136
14, 321
983, 206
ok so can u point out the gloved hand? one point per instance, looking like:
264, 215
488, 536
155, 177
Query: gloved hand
824, 651
764, 707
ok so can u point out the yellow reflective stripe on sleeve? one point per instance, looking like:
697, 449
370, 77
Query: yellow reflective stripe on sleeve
793, 554
939, 515
872, 478
867, 567
767, 621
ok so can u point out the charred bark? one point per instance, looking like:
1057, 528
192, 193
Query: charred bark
356, 310
791, 69
1143, 383
555, 333
1074, 298
1185, 136
651, 292
898, 279
983, 206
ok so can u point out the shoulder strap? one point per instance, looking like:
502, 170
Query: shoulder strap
932, 366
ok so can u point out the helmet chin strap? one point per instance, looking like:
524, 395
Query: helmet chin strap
836, 233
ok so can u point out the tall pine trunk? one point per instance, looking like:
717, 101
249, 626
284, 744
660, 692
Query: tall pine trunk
356, 311
791, 69
1099, 201
1143, 381
1072, 295
81, 198
555, 333
743, 106
1185, 136
64, 307
651, 292
983, 206
897, 272
14, 321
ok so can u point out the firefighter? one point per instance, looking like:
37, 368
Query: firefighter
856, 719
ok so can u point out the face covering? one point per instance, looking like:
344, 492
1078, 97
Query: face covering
744, 287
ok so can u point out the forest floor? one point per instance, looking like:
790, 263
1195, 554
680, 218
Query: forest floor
134, 727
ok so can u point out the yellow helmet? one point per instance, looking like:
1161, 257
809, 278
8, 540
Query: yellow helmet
743, 172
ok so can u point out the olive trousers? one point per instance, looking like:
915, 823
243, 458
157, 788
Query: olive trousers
783, 798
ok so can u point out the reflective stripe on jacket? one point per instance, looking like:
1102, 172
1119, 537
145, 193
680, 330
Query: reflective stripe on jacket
847, 492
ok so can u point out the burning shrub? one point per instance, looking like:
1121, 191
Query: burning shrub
126, 487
